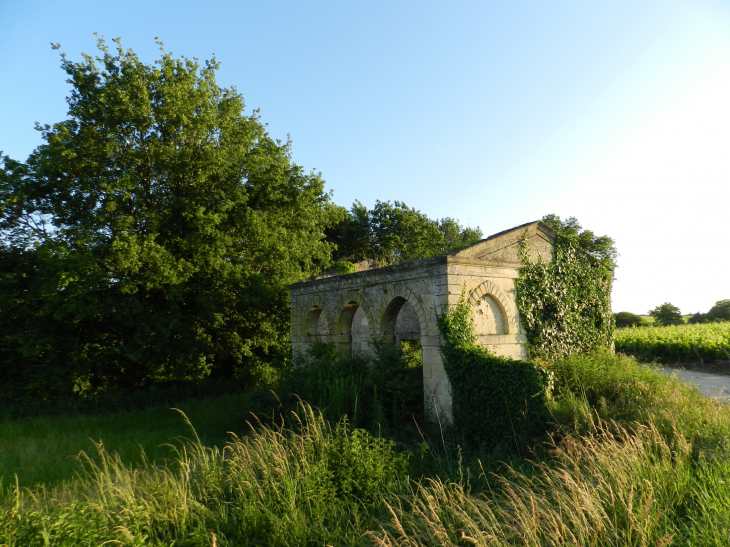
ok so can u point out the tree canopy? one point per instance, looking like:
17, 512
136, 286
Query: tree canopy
667, 314
151, 237
602, 248
719, 312
390, 233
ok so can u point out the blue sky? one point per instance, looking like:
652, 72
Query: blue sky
495, 113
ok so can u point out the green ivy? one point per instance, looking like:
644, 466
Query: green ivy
564, 304
495, 399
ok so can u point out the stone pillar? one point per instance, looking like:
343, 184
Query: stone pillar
437, 403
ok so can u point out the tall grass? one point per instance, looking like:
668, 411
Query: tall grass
633, 458
611, 487
309, 484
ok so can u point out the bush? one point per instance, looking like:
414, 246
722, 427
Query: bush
345, 267
495, 399
698, 318
627, 319
614, 385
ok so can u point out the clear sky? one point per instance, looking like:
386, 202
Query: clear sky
495, 113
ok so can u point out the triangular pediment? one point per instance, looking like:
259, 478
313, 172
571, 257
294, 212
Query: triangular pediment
503, 246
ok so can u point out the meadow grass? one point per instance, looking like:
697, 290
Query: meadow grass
43, 450
633, 458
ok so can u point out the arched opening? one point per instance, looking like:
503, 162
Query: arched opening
344, 329
401, 328
489, 317
360, 330
315, 325
400, 322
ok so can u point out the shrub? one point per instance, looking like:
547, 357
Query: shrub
628, 319
345, 267
614, 385
697, 318
362, 466
719, 312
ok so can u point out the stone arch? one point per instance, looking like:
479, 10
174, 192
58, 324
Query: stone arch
343, 310
391, 303
487, 288
309, 318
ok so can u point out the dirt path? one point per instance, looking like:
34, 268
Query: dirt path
712, 385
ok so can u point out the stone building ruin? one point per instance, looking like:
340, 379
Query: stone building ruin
400, 302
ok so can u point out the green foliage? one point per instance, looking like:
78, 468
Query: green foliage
612, 385
455, 235
345, 267
363, 466
666, 314
151, 238
393, 233
697, 318
383, 391
719, 312
120, 400
565, 304
495, 399
676, 343
625, 319
601, 248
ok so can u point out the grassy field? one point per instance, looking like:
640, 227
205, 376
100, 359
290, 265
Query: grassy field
700, 342
44, 450
634, 459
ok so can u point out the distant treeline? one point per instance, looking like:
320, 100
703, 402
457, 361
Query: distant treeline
668, 314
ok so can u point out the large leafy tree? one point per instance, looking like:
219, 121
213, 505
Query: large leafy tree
667, 314
150, 239
390, 233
